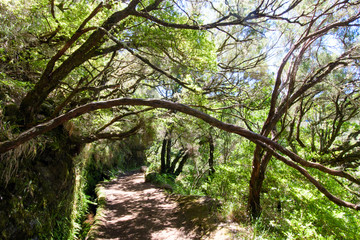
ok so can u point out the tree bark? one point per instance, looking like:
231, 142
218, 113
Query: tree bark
255, 188
260, 163
162, 157
211, 155
107, 135
258, 139
181, 164
168, 154
51, 78
176, 160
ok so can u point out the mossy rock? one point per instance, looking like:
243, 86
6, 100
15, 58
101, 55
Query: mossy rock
152, 178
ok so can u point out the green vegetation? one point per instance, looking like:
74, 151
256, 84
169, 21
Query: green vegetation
253, 103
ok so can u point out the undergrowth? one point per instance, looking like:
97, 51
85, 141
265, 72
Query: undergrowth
292, 207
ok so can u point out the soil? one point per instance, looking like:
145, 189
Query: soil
138, 210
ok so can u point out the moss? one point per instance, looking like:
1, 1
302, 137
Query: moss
101, 198
37, 199
42, 199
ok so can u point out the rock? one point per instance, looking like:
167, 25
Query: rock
143, 169
151, 177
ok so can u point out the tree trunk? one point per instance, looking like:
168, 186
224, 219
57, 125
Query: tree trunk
211, 155
181, 164
255, 188
168, 155
162, 157
176, 160
260, 163
51, 77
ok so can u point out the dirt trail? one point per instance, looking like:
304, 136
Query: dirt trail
138, 210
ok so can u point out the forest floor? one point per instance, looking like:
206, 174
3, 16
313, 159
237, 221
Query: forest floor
138, 210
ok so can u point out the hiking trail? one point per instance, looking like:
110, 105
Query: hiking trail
136, 209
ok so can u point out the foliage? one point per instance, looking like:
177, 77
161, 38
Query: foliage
304, 213
292, 209
283, 75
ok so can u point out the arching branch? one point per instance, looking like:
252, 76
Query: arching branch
316, 183
109, 135
157, 103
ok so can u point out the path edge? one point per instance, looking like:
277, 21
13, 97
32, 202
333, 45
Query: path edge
101, 201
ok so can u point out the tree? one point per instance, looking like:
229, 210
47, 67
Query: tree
292, 84
164, 45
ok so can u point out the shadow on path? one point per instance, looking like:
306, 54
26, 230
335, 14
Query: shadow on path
138, 210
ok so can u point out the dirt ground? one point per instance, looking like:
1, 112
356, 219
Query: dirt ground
138, 210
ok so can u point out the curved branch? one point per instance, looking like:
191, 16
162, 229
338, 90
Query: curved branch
79, 32
158, 103
115, 119
146, 61
50, 78
224, 21
316, 183
216, 24
109, 135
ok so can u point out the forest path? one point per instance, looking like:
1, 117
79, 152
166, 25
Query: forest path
138, 210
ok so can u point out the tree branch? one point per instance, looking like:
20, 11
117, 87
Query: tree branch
115, 119
80, 31
316, 183
157, 103
50, 79
147, 61
109, 135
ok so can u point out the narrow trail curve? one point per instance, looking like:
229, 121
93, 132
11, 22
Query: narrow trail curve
138, 210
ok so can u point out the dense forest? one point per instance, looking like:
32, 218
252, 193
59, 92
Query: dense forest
253, 103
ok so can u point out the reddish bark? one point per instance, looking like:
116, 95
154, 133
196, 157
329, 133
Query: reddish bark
264, 142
